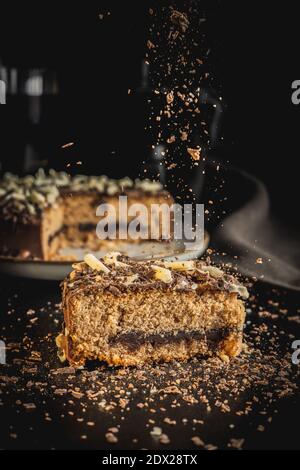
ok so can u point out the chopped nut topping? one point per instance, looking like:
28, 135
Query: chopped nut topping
26, 196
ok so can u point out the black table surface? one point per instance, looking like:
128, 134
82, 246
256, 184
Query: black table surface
43, 408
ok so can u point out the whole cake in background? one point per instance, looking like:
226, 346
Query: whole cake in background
41, 214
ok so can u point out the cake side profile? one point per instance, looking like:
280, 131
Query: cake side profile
129, 313
43, 213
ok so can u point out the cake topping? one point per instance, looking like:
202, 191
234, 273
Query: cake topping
111, 259
112, 188
214, 272
126, 183
27, 196
129, 274
94, 263
148, 185
128, 280
78, 266
162, 274
183, 266
239, 289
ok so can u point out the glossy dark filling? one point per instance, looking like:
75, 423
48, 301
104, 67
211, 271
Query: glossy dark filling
133, 341
88, 227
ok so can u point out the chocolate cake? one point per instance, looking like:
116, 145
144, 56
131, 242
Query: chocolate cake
127, 313
43, 213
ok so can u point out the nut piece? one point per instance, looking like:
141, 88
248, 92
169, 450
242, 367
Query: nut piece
59, 340
223, 357
94, 263
78, 266
183, 266
37, 198
111, 258
214, 272
162, 274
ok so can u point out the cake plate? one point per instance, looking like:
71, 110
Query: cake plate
57, 270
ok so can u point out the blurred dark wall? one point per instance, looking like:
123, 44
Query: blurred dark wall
253, 59
97, 61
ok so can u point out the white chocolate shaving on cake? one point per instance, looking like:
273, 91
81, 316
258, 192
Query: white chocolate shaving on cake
162, 274
97, 183
37, 198
112, 188
96, 264
183, 266
30, 193
128, 280
242, 291
214, 272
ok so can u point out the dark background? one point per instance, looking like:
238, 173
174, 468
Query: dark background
253, 61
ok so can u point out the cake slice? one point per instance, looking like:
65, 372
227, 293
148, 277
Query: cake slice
128, 313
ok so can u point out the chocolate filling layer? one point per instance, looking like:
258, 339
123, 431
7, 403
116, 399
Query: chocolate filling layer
87, 227
133, 341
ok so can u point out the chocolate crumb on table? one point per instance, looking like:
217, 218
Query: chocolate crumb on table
252, 388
